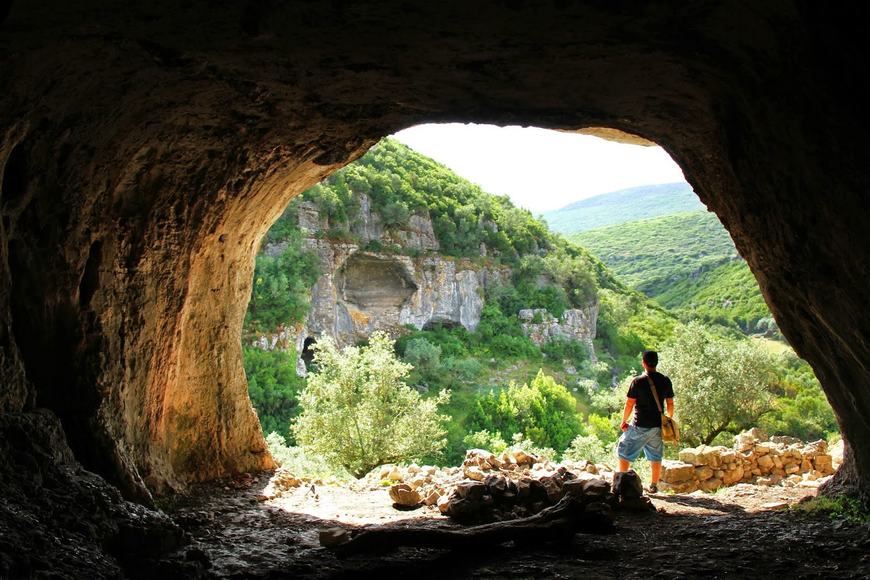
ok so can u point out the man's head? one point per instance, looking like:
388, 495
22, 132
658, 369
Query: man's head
650, 359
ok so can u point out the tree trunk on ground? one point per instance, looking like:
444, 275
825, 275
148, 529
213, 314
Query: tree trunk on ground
558, 522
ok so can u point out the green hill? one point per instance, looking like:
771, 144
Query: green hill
543, 270
623, 206
497, 395
688, 263
651, 254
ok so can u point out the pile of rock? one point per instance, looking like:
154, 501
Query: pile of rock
754, 458
488, 486
282, 481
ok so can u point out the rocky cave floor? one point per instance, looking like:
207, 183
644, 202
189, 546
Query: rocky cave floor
744, 531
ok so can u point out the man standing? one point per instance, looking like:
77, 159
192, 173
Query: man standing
645, 432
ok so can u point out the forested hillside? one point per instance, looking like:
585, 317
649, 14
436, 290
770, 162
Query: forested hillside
687, 263
622, 206
546, 272
554, 396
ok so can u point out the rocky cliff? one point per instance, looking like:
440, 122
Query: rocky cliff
575, 324
361, 290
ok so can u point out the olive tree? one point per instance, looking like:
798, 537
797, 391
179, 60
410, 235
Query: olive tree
357, 412
720, 384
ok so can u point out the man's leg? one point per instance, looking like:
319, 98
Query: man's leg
654, 451
656, 468
625, 465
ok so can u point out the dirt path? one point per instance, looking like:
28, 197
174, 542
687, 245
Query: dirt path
738, 532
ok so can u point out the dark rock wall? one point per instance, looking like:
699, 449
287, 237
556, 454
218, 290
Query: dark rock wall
148, 147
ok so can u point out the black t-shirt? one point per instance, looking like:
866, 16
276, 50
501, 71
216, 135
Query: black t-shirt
646, 413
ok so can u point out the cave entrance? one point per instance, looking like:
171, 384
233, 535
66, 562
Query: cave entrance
308, 351
356, 222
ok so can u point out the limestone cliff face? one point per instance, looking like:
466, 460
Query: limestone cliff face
362, 291
575, 324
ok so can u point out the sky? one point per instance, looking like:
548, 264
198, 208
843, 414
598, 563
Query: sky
540, 169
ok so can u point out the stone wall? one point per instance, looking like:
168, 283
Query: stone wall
753, 459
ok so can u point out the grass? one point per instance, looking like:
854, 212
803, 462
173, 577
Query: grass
841, 507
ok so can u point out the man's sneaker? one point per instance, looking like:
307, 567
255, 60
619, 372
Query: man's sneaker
653, 488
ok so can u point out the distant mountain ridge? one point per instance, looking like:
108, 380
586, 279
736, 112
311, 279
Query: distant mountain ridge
624, 205
687, 262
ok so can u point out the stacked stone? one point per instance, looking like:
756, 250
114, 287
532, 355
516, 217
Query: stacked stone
487, 487
754, 459
518, 484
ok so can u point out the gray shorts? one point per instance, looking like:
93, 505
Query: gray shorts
637, 439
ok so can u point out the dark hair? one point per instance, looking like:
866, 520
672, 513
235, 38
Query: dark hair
651, 358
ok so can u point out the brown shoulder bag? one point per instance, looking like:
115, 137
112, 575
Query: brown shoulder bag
670, 430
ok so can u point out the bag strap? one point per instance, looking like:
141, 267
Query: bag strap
655, 393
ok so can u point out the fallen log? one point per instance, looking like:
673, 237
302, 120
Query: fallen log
555, 523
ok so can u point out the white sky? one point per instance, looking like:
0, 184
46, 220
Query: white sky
540, 169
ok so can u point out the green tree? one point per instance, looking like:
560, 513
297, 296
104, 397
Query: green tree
721, 384
424, 356
542, 411
274, 387
358, 412
281, 286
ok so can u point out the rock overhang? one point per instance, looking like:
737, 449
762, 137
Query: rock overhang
175, 153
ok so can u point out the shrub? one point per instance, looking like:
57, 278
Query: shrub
485, 440
273, 387
543, 411
301, 463
358, 412
590, 448
281, 286
424, 356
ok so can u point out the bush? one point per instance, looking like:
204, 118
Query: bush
301, 463
281, 286
485, 440
590, 448
563, 349
841, 507
465, 369
543, 411
424, 356
273, 387
358, 412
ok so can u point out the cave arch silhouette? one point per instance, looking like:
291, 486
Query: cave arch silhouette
162, 143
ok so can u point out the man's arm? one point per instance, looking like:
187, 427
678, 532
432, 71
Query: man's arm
669, 403
626, 412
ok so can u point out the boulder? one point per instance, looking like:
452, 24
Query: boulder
683, 487
474, 472
403, 495
711, 484
703, 472
597, 488
765, 463
823, 463
627, 485
677, 471
471, 490
332, 537
432, 497
691, 455
837, 454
